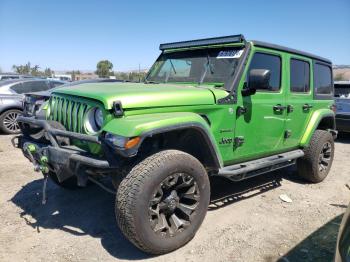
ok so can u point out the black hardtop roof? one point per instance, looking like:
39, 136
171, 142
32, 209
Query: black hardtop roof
236, 39
290, 50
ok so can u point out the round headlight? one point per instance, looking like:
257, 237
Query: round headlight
99, 118
94, 120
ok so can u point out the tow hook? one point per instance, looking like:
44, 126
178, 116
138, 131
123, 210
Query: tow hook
39, 166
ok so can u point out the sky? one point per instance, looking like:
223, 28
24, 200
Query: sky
67, 35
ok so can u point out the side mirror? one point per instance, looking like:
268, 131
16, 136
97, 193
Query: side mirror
257, 79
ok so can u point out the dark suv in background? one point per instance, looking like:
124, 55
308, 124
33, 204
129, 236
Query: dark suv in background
342, 99
11, 99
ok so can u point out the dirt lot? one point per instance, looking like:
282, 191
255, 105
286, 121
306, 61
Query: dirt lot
246, 221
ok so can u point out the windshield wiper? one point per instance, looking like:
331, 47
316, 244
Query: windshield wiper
207, 65
172, 66
150, 82
168, 74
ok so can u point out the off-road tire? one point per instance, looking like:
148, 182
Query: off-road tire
7, 116
70, 183
309, 165
136, 190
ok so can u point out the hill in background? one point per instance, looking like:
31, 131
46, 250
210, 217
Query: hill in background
341, 72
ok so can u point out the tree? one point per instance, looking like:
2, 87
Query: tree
22, 69
34, 71
104, 68
48, 72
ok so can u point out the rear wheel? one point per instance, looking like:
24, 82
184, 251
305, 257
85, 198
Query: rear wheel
162, 202
8, 121
318, 158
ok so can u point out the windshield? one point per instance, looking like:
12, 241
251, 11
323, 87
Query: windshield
208, 66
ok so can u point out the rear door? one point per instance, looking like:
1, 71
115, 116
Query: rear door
300, 103
262, 126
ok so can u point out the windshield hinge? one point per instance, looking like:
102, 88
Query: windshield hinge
230, 99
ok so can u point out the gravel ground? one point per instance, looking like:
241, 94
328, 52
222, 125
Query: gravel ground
246, 221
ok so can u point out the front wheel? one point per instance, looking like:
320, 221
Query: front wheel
317, 161
162, 202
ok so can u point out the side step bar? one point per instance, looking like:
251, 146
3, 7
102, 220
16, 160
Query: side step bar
260, 166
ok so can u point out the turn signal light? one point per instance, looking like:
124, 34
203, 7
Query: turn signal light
132, 142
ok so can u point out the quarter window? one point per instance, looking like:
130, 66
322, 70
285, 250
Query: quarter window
54, 84
269, 62
18, 88
323, 79
299, 76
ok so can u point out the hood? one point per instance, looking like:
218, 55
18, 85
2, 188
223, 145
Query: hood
139, 95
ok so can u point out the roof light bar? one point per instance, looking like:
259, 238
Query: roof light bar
204, 42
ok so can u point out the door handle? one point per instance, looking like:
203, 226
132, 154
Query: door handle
307, 107
290, 108
279, 108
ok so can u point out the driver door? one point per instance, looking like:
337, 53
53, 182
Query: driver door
260, 130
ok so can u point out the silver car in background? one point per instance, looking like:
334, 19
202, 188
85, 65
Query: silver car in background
11, 99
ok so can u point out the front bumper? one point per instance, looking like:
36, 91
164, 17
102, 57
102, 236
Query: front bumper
343, 122
65, 161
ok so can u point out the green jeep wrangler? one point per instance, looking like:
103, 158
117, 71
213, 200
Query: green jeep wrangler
211, 107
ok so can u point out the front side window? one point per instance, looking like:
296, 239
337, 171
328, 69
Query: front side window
269, 62
299, 76
208, 66
323, 79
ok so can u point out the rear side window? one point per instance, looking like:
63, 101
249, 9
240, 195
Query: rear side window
269, 62
299, 76
323, 80
32, 86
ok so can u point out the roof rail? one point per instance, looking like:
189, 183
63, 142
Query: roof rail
204, 42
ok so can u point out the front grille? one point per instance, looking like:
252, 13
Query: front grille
70, 112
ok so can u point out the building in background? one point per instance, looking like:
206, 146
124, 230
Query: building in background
84, 76
61, 77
